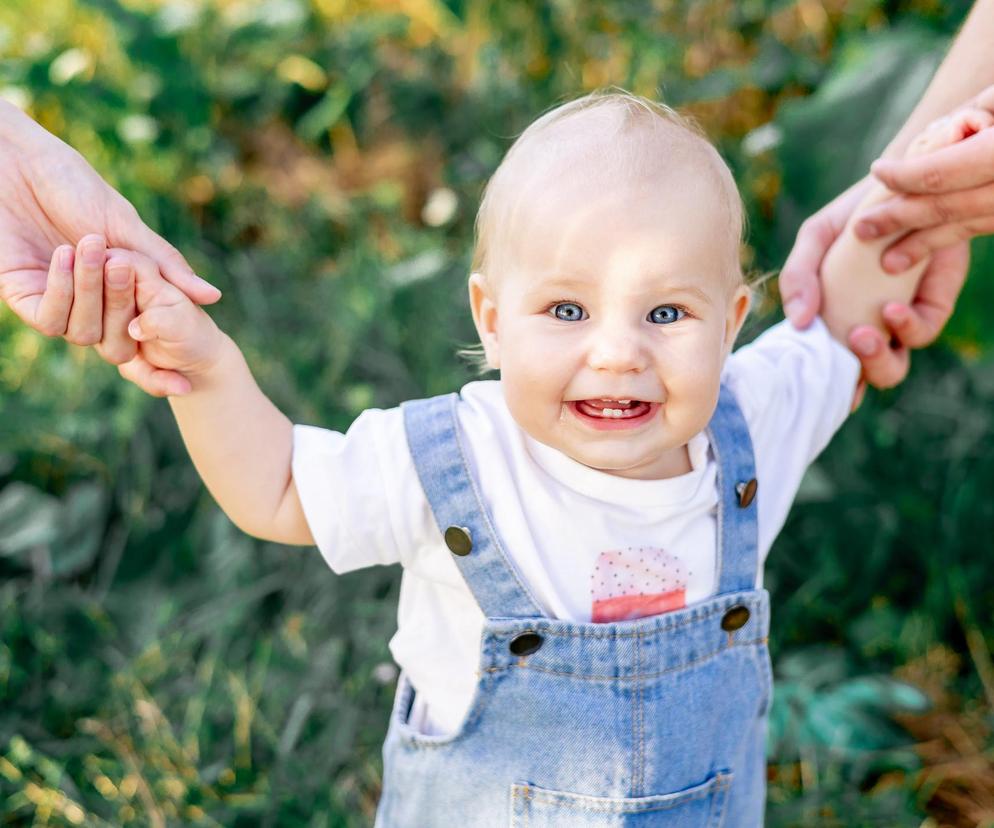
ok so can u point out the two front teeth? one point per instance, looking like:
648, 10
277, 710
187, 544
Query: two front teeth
614, 412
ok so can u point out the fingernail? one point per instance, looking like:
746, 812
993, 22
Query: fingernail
65, 258
119, 277
867, 230
93, 254
865, 345
897, 262
897, 313
134, 329
205, 283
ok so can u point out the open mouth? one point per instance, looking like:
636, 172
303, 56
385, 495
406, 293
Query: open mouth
613, 414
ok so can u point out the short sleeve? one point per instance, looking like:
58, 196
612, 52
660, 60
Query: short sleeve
795, 389
359, 490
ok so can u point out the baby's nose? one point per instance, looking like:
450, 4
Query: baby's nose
617, 350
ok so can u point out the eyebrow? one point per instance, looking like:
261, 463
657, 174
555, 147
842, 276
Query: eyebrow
567, 282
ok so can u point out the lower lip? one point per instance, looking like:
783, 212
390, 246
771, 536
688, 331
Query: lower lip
613, 423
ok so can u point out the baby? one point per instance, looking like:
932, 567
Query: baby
582, 624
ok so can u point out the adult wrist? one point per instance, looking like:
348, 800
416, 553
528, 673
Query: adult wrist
17, 127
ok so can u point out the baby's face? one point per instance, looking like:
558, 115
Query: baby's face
612, 319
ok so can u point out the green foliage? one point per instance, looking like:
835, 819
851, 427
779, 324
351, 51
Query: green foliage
156, 666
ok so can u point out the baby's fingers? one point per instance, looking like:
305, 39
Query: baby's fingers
166, 323
152, 380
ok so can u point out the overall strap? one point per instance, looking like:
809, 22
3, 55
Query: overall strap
436, 448
738, 536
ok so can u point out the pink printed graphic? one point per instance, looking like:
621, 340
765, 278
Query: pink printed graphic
636, 582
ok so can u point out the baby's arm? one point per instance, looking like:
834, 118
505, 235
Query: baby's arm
856, 288
240, 443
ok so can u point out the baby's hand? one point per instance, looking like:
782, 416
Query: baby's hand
950, 129
178, 341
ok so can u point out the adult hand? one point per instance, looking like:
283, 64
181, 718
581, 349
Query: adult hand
52, 196
945, 197
915, 325
911, 326
800, 287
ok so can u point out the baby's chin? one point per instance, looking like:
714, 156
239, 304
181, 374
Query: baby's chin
670, 462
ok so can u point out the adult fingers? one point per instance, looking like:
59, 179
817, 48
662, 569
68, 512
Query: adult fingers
917, 246
119, 309
964, 165
152, 380
52, 313
916, 212
800, 290
920, 323
85, 326
883, 366
133, 233
914, 326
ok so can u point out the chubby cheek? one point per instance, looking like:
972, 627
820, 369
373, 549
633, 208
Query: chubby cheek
692, 376
534, 377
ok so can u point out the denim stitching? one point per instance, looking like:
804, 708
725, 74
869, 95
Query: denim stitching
485, 514
524, 664
719, 560
720, 785
721, 802
641, 713
697, 616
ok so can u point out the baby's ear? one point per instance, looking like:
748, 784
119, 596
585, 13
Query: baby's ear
483, 303
738, 310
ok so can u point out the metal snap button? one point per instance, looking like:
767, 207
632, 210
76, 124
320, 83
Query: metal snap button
735, 618
459, 540
525, 643
746, 491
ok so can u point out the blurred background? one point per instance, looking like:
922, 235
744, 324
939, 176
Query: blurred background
321, 161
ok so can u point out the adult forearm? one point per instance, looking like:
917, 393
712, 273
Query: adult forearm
240, 443
966, 70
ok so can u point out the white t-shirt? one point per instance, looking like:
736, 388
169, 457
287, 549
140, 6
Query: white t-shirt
365, 505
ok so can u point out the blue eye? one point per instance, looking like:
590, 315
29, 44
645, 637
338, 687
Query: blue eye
665, 314
568, 311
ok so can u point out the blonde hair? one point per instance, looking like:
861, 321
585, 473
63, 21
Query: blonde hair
627, 135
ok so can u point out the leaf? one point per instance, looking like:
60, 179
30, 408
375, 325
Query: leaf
81, 525
28, 518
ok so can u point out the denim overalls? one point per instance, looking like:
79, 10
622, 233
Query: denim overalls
659, 721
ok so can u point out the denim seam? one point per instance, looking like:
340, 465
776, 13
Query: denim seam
529, 793
633, 787
524, 664
721, 802
485, 514
719, 561
702, 616
641, 718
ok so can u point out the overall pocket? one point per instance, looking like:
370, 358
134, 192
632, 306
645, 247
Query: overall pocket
410, 736
702, 806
